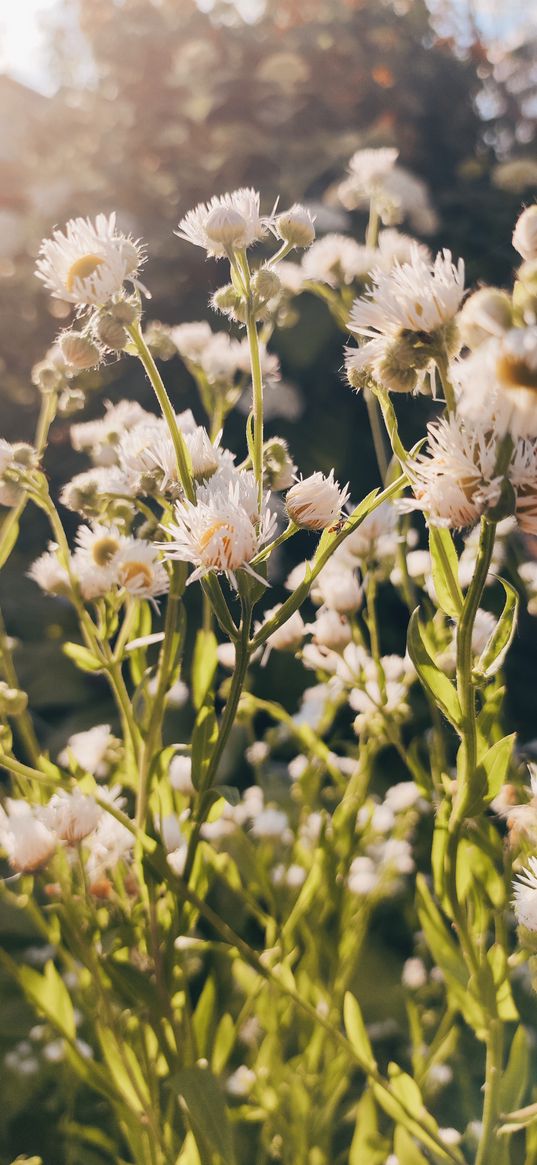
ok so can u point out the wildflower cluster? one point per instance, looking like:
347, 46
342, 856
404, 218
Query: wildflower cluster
210, 867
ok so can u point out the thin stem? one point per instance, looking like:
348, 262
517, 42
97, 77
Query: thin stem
257, 386
465, 687
493, 1077
181, 449
166, 660
23, 719
377, 434
242, 659
372, 233
442, 364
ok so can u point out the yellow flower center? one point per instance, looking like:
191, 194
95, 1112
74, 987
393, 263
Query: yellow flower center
136, 570
214, 529
104, 550
82, 269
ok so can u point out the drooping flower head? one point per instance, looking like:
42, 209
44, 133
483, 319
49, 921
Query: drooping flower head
88, 263
455, 481
228, 222
316, 502
525, 896
407, 316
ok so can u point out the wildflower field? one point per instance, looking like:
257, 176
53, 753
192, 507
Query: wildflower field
282, 905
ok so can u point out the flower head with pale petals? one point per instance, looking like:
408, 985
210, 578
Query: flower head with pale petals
26, 840
88, 263
228, 222
218, 533
316, 502
525, 896
415, 296
456, 481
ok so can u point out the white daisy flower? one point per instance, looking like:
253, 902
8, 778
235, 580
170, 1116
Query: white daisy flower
228, 222
525, 896
500, 378
180, 774
316, 502
49, 574
101, 437
25, 838
93, 750
140, 570
85, 492
14, 461
191, 339
523, 476
111, 842
368, 171
330, 629
71, 816
414, 296
337, 260
288, 637
218, 534
89, 262
337, 587
455, 482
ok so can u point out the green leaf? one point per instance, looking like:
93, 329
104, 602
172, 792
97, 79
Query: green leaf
515, 1079
355, 1028
206, 1108
7, 541
448, 957
49, 995
494, 766
368, 1146
205, 1016
499, 642
433, 679
203, 666
84, 659
445, 571
204, 738
125, 1071
405, 1148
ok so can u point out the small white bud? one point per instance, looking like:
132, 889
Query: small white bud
296, 226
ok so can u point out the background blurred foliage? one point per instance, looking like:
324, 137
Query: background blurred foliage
160, 105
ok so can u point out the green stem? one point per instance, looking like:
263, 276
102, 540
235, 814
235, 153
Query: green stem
493, 1076
242, 659
181, 449
442, 364
465, 687
165, 664
23, 719
372, 233
376, 433
257, 386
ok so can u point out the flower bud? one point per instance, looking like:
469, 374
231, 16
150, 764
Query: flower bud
295, 226
12, 700
486, 313
71, 401
525, 294
158, 339
266, 284
227, 300
78, 351
226, 226
316, 502
111, 332
331, 629
525, 233
290, 635
47, 377
278, 466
